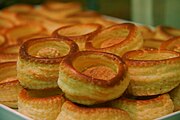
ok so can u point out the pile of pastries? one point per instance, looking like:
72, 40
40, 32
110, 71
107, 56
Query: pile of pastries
60, 62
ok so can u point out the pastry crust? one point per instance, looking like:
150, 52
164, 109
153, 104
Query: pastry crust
147, 109
164, 32
38, 63
116, 39
17, 32
171, 44
3, 41
8, 57
71, 111
40, 105
19, 8
175, 96
78, 33
152, 72
147, 33
152, 43
9, 85
82, 78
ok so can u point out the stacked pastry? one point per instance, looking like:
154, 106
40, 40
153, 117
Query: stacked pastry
76, 65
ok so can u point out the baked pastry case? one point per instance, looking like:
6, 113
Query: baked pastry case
89, 60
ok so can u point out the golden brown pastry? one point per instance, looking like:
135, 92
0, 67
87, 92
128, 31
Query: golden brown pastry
147, 33
78, 33
171, 44
9, 85
20, 31
38, 63
58, 10
116, 39
152, 43
18, 8
10, 49
8, 57
147, 108
175, 96
70, 111
164, 32
89, 77
3, 41
5, 24
152, 72
40, 105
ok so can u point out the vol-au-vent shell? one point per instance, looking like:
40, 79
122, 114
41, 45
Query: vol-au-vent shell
116, 39
38, 63
9, 85
78, 32
71, 111
152, 72
40, 104
90, 77
145, 108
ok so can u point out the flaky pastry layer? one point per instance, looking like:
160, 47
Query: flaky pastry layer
71, 111
40, 105
9, 85
152, 72
38, 62
82, 80
175, 96
147, 109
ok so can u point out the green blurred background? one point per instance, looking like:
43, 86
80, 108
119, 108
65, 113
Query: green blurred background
149, 12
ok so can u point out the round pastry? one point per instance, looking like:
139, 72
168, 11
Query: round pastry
145, 108
116, 39
152, 72
9, 85
78, 33
10, 49
70, 111
40, 104
164, 32
17, 32
38, 63
175, 96
89, 77
171, 44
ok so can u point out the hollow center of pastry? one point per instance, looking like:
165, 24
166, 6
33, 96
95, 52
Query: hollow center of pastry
110, 38
77, 30
154, 56
44, 93
48, 53
100, 72
98, 67
49, 49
